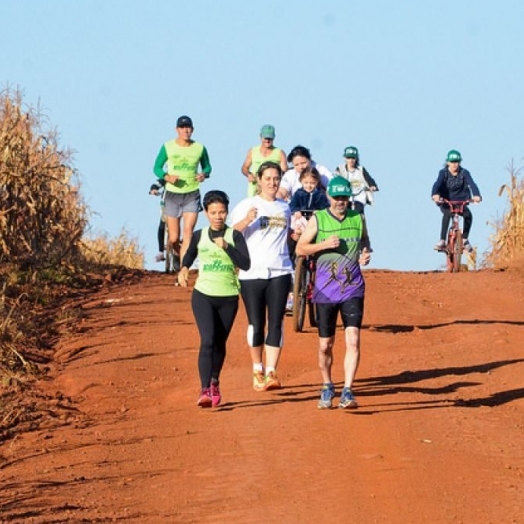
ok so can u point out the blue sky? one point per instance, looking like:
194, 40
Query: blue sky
403, 81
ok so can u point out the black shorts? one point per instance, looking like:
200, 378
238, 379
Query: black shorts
351, 311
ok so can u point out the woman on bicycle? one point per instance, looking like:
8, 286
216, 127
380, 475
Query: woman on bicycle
300, 159
220, 250
264, 221
455, 183
363, 185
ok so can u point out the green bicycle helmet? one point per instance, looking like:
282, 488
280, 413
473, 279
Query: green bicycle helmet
453, 156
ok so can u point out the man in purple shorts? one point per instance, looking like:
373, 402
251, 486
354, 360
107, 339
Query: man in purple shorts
338, 238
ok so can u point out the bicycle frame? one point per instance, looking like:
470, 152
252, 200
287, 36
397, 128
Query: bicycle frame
305, 270
454, 245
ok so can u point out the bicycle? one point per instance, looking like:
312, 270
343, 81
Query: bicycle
169, 253
305, 269
454, 244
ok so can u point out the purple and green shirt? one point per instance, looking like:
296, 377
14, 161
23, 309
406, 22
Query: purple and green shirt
338, 276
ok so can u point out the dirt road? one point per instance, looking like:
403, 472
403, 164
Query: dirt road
438, 437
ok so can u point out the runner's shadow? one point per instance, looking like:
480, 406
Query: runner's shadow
394, 384
408, 328
408, 377
287, 394
496, 399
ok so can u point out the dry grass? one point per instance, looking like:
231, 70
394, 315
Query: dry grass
123, 251
507, 242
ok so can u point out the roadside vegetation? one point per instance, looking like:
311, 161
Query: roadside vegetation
507, 241
47, 258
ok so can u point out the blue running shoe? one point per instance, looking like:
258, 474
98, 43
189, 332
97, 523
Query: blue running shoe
347, 400
327, 394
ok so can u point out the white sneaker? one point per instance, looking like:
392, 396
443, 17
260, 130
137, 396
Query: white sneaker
289, 303
466, 246
440, 245
160, 257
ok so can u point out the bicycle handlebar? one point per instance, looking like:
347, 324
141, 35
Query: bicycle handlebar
456, 206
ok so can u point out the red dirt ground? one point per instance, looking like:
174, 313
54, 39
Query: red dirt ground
437, 438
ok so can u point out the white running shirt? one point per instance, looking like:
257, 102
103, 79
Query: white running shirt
290, 181
266, 237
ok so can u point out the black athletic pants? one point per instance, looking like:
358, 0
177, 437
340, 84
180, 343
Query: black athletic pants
265, 297
214, 317
446, 217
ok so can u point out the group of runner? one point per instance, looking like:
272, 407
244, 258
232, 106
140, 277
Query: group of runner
249, 253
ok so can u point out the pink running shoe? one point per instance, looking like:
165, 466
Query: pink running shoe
205, 401
216, 397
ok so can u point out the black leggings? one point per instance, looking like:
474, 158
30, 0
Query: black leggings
263, 295
446, 217
214, 317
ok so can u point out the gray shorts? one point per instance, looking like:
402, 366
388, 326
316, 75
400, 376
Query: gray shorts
175, 204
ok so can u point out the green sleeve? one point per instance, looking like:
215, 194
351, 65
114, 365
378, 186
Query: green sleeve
204, 163
160, 161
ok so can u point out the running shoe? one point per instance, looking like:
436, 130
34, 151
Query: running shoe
327, 393
272, 381
216, 397
160, 257
440, 245
176, 263
466, 246
205, 400
289, 303
259, 384
347, 400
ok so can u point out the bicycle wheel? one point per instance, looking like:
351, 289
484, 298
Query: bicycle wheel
450, 251
312, 309
457, 251
312, 314
299, 294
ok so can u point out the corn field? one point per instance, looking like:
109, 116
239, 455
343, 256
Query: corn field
42, 216
507, 242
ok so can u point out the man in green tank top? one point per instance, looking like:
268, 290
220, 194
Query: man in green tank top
257, 155
337, 238
177, 165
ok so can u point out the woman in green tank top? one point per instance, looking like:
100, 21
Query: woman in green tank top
220, 251
257, 155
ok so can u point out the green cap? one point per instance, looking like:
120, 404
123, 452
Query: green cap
267, 131
351, 152
453, 156
339, 186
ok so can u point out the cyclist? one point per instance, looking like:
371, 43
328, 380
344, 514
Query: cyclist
177, 164
156, 189
220, 251
264, 221
265, 152
362, 183
300, 159
337, 237
456, 184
